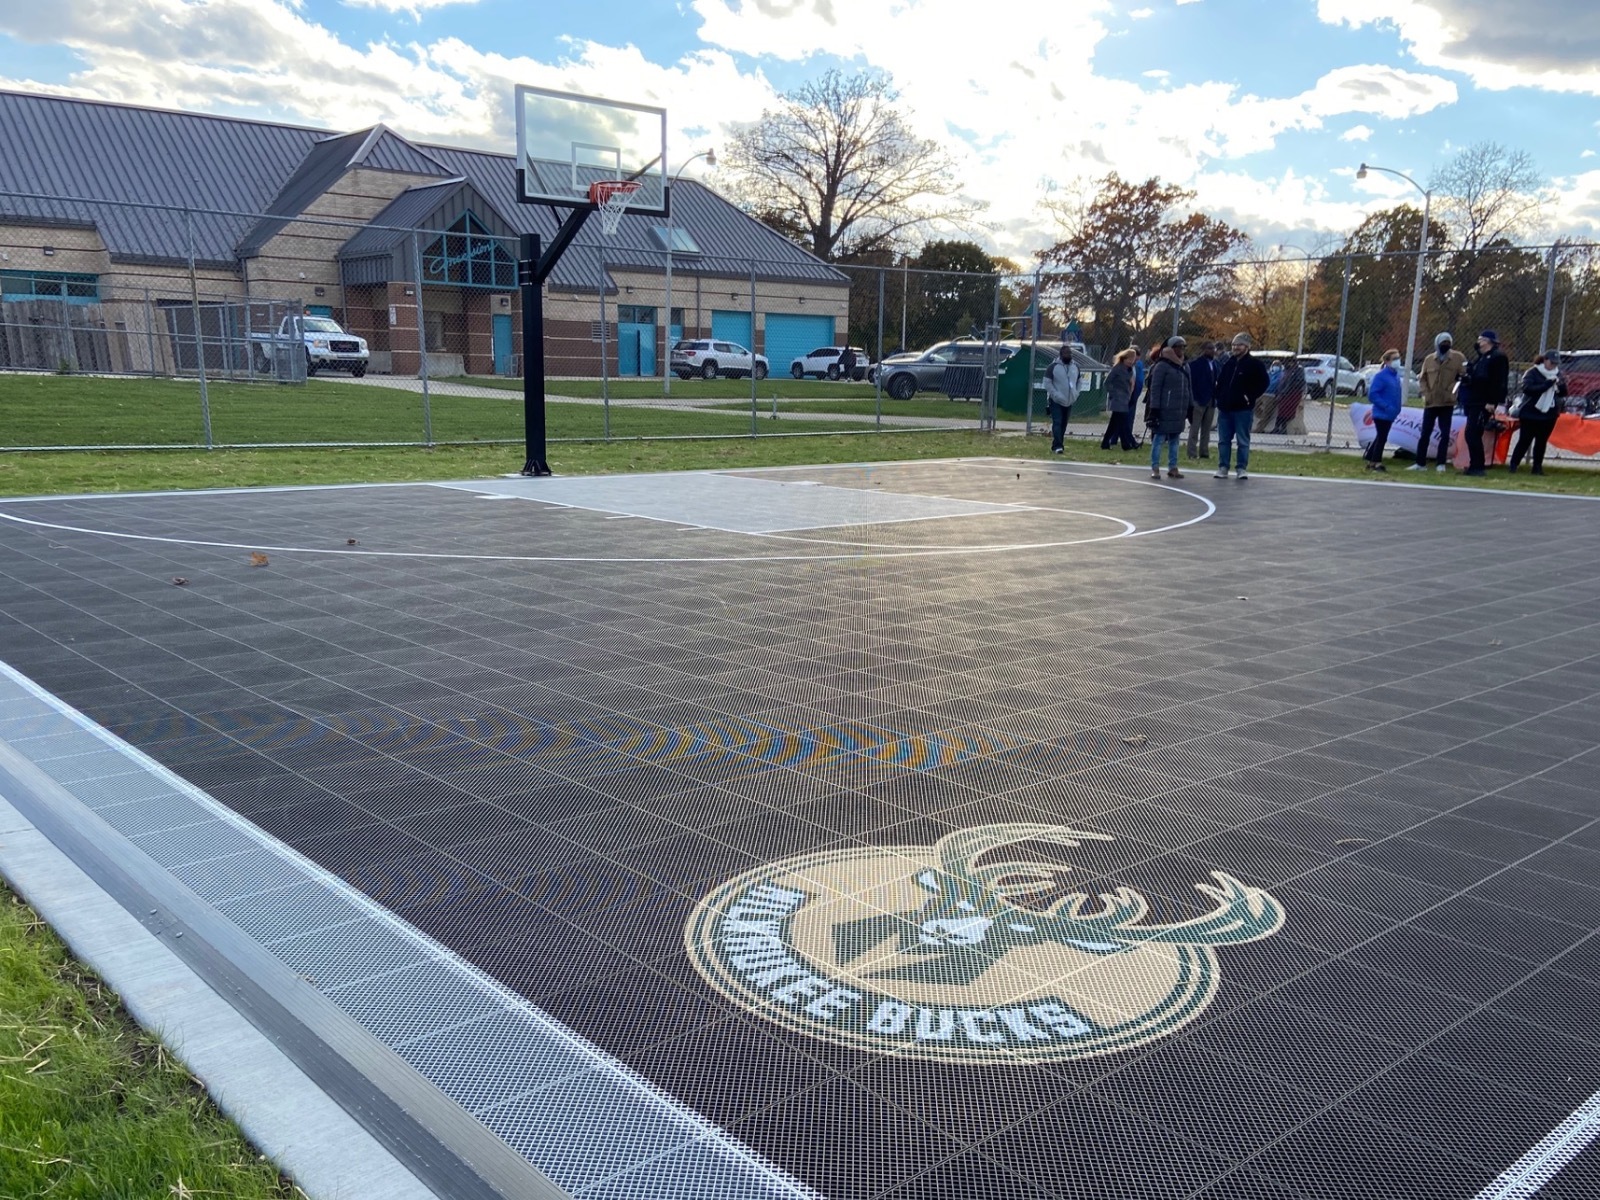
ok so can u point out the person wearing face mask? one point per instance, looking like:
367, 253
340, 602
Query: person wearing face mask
1536, 412
1483, 389
1441, 371
1387, 398
1167, 410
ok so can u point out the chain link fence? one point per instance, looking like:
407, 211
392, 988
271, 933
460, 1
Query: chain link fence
342, 331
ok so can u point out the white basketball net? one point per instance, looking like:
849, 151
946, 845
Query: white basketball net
611, 199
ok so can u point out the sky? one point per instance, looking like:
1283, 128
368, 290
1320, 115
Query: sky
1264, 108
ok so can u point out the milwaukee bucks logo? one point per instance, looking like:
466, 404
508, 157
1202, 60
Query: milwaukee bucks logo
969, 950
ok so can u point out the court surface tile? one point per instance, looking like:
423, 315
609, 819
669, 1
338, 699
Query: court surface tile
946, 829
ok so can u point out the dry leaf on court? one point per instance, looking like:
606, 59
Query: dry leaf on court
258, 559
180, 581
349, 541
1136, 739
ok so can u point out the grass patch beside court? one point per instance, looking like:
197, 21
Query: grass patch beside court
57, 473
92, 1108
922, 407
47, 410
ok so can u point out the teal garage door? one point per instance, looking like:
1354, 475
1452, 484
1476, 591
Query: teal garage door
733, 327
789, 335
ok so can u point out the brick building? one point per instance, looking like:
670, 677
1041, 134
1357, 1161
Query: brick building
119, 224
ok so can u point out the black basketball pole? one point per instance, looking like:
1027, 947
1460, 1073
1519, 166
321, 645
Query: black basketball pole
532, 356
533, 268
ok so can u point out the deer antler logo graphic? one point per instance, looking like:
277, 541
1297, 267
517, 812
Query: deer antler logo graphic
972, 949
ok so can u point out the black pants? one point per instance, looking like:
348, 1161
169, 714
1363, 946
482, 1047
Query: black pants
1059, 416
1476, 418
1375, 451
1119, 429
1535, 434
1431, 417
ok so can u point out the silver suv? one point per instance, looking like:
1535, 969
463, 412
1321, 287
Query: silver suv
904, 375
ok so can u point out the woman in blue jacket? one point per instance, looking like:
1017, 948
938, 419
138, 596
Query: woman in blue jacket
1387, 398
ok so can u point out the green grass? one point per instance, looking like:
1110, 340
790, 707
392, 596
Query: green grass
783, 387
92, 1108
42, 410
56, 473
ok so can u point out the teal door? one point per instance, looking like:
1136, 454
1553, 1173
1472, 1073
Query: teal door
503, 352
636, 349
792, 335
733, 327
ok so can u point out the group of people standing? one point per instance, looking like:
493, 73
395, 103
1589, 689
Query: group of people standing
1191, 393
1182, 393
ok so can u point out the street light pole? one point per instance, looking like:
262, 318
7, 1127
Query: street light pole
666, 371
1422, 256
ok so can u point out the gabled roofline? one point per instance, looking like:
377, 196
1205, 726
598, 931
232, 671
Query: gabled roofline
44, 92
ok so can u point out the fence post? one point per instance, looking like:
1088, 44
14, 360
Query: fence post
422, 341
1338, 351
1177, 298
1033, 353
1549, 297
150, 331
754, 423
905, 300
199, 344
877, 376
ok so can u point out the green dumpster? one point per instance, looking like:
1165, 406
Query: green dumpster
1013, 385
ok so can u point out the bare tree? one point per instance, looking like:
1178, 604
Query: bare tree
1488, 198
837, 167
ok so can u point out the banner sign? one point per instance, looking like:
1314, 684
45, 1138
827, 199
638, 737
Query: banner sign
1574, 434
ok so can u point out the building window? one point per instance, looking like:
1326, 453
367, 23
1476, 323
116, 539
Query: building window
676, 239
50, 285
636, 314
468, 255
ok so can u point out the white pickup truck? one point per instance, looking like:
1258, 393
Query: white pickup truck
327, 345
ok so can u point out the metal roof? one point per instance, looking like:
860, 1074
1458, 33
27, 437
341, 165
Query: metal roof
243, 170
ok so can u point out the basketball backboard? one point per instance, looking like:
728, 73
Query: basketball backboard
567, 141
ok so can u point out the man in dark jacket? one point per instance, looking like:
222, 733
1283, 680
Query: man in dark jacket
1483, 389
1171, 397
1240, 383
1203, 378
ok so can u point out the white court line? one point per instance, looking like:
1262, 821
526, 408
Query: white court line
1540, 1165
877, 551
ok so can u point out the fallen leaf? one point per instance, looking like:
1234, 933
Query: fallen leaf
1136, 739
180, 581
258, 559
1244, 597
1497, 642
349, 541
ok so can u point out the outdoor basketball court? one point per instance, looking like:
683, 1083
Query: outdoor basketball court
987, 828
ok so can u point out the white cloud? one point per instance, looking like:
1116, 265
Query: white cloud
1141, 14
1549, 44
1158, 74
1357, 133
412, 7
1019, 114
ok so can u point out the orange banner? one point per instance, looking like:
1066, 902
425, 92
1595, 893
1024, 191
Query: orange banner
1576, 434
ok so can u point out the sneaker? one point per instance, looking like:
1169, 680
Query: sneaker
1222, 473
1380, 467
1155, 473
1058, 450
1537, 471
1439, 470
1174, 473
1243, 474
1416, 467
1475, 472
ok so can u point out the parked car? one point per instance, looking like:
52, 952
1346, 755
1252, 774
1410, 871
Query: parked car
1364, 381
326, 345
1582, 371
709, 358
1320, 371
823, 362
904, 375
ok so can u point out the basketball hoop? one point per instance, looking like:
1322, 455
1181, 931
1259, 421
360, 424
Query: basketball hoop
610, 197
